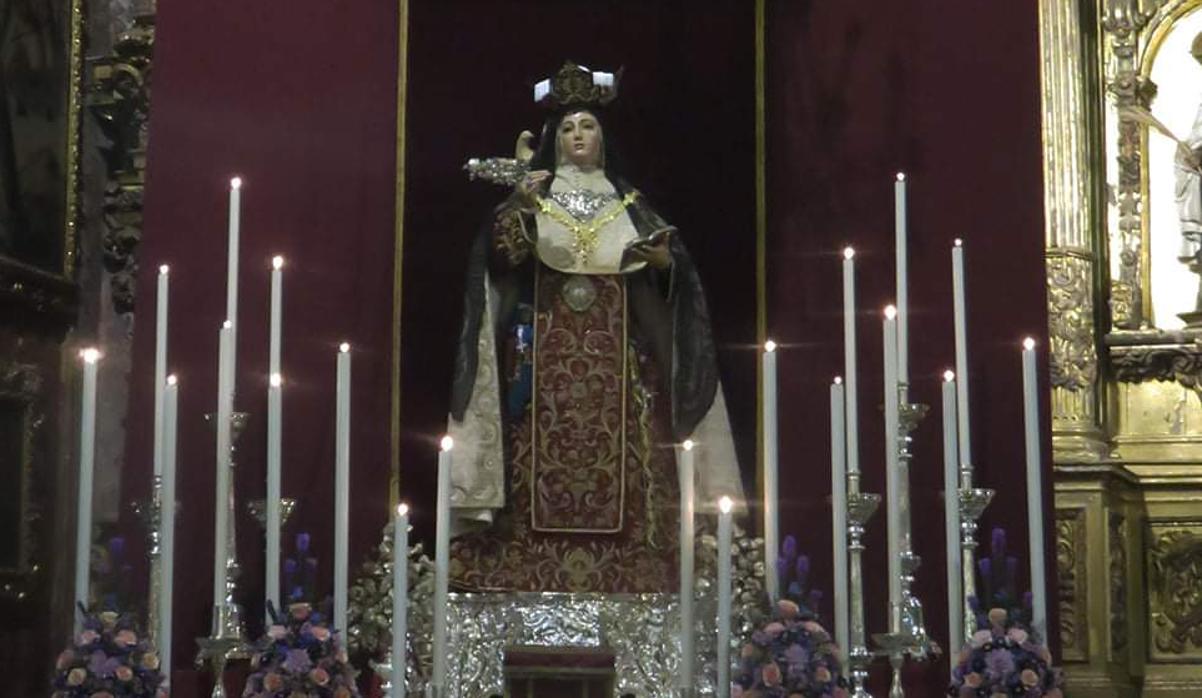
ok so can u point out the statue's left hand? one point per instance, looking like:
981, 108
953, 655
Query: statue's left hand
658, 255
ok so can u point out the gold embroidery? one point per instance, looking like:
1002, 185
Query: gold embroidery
509, 238
584, 235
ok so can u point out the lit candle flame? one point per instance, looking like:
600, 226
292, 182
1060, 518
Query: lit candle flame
163, 269
402, 510
725, 505
276, 380
277, 262
687, 445
447, 443
344, 347
958, 242
949, 376
849, 252
90, 355
1029, 343
770, 346
891, 311
838, 380
236, 183
172, 380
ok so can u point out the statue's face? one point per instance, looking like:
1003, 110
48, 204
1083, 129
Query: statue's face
580, 140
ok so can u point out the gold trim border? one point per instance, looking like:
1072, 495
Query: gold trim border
74, 129
402, 82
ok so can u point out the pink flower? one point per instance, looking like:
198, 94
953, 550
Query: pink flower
102, 694
736, 691
127, 638
980, 637
109, 618
1044, 654
320, 633
748, 651
787, 609
277, 632
300, 611
273, 682
1017, 634
87, 637
150, 661
319, 676
822, 674
124, 673
1029, 678
812, 627
973, 680
997, 616
76, 676
773, 629
771, 674
342, 692
64, 660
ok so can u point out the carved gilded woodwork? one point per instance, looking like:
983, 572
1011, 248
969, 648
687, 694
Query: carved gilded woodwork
21, 395
1070, 576
1117, 548
120, 100
1175, 601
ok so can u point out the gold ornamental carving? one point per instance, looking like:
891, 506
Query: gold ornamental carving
1180, 362
1071, 576
1074, 358
1175, 567
1117, 540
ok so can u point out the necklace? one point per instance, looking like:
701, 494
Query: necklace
584, 234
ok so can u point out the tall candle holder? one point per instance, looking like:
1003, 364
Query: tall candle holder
910, 638
227, 639
972, 504
149, 513
860, 508
257, 508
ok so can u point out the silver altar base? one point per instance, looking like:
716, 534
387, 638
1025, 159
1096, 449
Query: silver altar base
642, 630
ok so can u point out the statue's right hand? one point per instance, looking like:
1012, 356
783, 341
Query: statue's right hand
531, 185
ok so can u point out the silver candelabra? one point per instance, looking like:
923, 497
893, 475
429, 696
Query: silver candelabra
228, 637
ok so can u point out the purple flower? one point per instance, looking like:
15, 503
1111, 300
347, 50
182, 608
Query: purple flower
1011, 571
788, 549
998, 542
986, 568
999, 663
290, 567
797, 656
803, 566
116, 546
302, 542
102, 665
297, 661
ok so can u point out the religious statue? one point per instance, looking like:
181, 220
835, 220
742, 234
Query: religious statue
1188, 161
585, 357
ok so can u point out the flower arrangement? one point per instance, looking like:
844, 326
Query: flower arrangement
792, 656
1005, 656
109, 659
299, 656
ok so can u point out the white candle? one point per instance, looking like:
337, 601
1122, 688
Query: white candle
903, 300
167, 523
160, 366
849, 362
274, 490
400, 599
442, 552
1039, 615
231, 279
277, 313
951, 521
725, 505
87, 463
961, 332
892, 471
839, 512
771, 489
274, 436
342, 485
687, 655
225, 409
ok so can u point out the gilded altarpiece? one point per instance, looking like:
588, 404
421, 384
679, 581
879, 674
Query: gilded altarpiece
1120, 85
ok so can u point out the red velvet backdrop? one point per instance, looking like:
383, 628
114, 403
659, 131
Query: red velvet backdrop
300, 100
949, 93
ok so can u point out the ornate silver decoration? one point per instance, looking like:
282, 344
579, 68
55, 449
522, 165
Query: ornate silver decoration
641, 629
583, 204
860, 508
972, 504
228, 637
579, 292
503, 171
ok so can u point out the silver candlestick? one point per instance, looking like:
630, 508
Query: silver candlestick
149, 513
228, 636
860, 508
257, 508
972, 505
